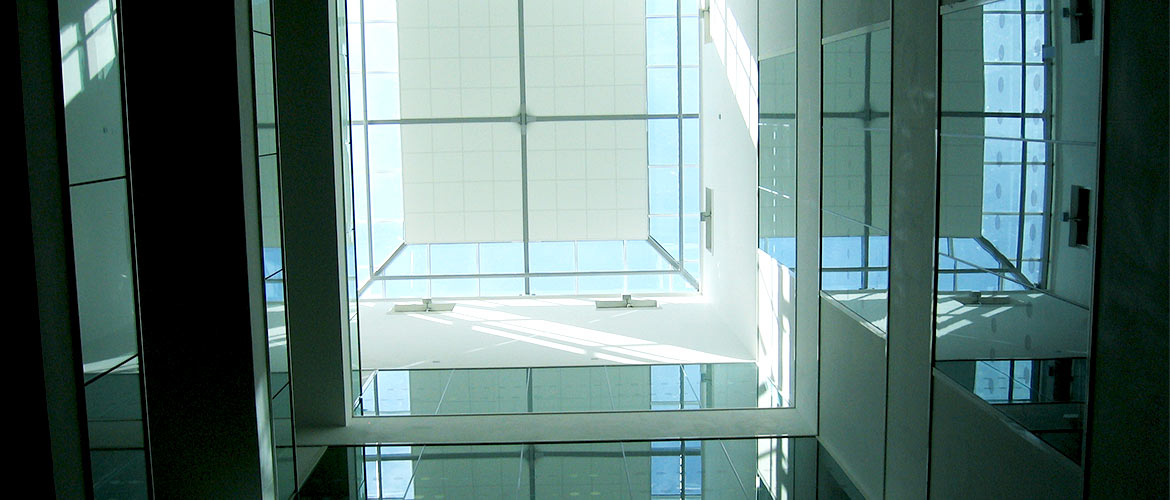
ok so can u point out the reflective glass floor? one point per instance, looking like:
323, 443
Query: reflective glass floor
741, 469
566, 389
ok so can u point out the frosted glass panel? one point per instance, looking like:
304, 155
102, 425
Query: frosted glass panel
105, 289
587, 180
455, 58
460, 182
585, 60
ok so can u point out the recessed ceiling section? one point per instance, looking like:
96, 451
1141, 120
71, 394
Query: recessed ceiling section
458, 59
582, 60
461, 183
587, 180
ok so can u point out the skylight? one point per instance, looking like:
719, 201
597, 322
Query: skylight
524, 147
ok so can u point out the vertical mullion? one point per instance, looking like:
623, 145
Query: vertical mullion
1025, 144
523, 149
366, 142
679, 119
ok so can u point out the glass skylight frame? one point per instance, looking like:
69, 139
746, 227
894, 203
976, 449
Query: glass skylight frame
678, 248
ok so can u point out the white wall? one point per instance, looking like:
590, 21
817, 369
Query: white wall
853, 396
978, 453
727, 128
1076, 99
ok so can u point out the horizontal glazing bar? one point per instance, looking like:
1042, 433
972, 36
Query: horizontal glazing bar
526, 275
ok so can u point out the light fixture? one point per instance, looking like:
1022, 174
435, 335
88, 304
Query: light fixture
627, 302
425, 307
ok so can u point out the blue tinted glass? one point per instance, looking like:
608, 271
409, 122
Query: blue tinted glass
387, 203
1034, 89
691, 141
690, 90
647, 283
690, 40
501, 287
1001, 188
387, 235
691, 190
691, 380
664, 472
407, 288
840, 280
601, 284
272, 262
1001, 127
694, 475
501, 257
841, 251
661, 7
879, 251
976, 282
664, 190
879, 280
463, 287
551, 256
665, 231
662, 90
946, 282
554, 286
641, 256
661, 41
1003, 232
782, 249
665, 384
412, 260
599, 255
969, 250
1002, 89
454, 259
274, 291
663, 142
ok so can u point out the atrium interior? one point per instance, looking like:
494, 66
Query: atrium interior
645, 249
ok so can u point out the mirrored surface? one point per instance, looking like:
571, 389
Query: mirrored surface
1018, 163
566, 389
748, 469
855, 175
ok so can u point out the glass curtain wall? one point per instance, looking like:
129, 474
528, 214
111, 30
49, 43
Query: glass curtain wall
855, 186
524, 147
101, 214
1020, 93
268, 162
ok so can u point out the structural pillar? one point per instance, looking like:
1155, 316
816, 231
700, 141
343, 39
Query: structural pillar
196, 224
312, 188
913, 246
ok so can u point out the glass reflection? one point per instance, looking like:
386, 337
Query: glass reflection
566, 389
749, 469
1018, 128
855, 159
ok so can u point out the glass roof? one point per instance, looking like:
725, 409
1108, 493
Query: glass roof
495, 141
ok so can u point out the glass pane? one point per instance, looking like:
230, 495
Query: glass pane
104, 274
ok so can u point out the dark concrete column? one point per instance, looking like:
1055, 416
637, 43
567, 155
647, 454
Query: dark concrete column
308, 123
1127, 446
913, 242
49, 364
196, 224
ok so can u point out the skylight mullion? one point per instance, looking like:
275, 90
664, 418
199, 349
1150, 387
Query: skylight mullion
679, 95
